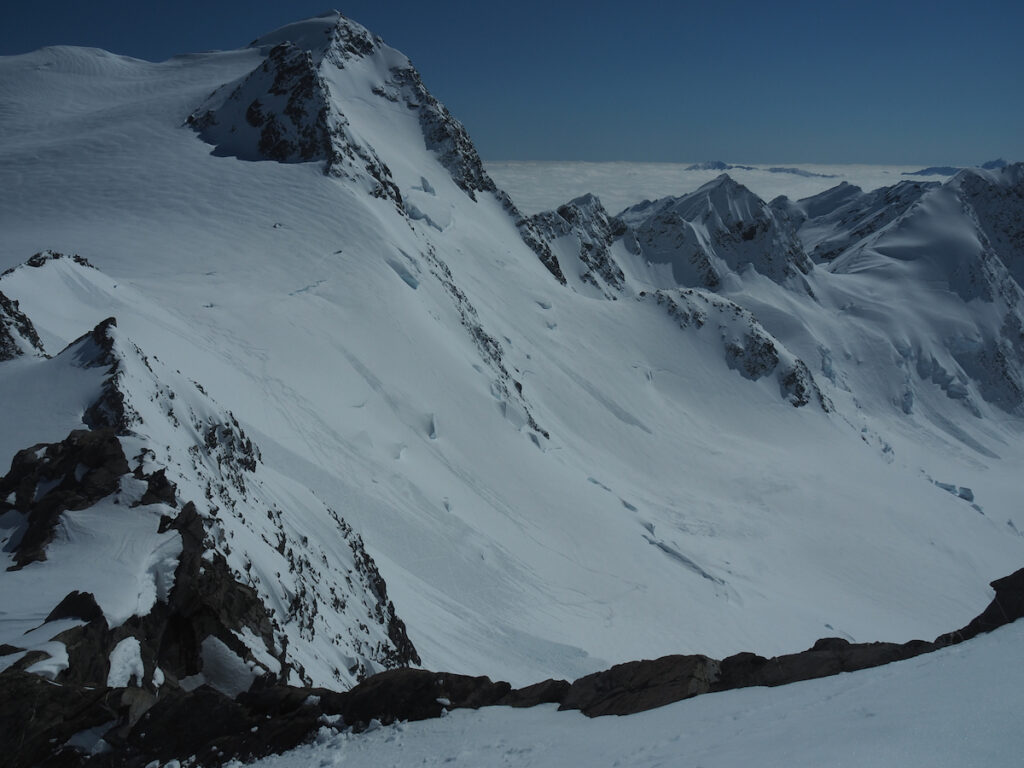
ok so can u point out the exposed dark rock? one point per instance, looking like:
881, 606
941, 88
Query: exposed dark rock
528, 231
77, 605
489, 347
283, 111
403, 652
159, 490
721, 227
544, 692
38, 717
16, 331
639, 685
204, 723
50, 479
88, 647
853, 214
749, 349
416, 694
96, 350
206, 601
828, 656
1007, 606
442, 133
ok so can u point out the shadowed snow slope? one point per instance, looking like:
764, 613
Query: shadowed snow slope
536, 469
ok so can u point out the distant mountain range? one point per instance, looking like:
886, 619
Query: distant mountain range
949, 170
718, 165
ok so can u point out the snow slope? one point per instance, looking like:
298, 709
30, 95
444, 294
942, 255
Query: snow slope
549, 480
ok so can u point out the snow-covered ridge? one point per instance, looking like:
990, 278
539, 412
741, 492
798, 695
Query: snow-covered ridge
209, 558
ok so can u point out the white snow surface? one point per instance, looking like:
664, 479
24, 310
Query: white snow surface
954, 708
126, 664
676, 505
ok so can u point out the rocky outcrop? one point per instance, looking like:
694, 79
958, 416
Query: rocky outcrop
839, 218
1007, 606
42, 258
747, 347
17, 334
639, 685
996, 199
505, 386
47, 480
585, 232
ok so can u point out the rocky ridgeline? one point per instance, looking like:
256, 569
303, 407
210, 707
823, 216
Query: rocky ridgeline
283, 111
213, 728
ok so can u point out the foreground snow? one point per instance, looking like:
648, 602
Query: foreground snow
957, 707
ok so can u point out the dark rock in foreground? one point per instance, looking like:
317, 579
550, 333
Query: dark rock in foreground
38, 718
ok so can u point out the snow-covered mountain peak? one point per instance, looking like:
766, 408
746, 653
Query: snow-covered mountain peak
330, 91
330, 35
720, 228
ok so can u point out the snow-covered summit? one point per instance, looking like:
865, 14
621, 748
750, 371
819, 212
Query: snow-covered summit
720, 228
329, 34
305, 102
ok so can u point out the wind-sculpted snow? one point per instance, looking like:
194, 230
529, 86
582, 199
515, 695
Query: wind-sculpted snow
976, 351
192, 540
843, 216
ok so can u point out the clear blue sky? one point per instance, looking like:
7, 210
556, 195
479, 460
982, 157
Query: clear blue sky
770, 81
